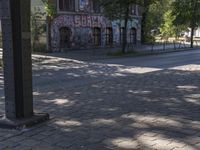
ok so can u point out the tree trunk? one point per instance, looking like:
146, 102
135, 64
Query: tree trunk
124, 44
192, 37
49, 47
143, 34
193, 22
144, 20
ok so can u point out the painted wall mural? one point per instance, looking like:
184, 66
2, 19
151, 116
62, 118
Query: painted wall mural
82, 29
116, 32
84, 5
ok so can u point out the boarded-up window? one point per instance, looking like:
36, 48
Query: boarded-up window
96, 7
109, 36
121, 34
97, 36
67, 5
133, 36
65, 35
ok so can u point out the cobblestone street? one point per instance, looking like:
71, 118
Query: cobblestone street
147, 103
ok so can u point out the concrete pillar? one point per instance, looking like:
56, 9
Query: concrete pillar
17, 65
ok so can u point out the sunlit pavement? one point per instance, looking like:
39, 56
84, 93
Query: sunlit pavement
150, 102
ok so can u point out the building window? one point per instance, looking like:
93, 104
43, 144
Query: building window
96, 7
133, 36
65, 36
133, 9
109, 36
67, 5
97, 36
121, 34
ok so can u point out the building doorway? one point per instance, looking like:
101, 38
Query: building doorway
109, 36
133, 36
122, 29
65, 36
97, 36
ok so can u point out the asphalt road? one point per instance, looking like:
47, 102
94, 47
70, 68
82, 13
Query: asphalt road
56, 71
162, 61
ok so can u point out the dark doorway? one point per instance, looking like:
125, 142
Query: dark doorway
121, 34
97, 36
65, 36
133, 36
109, 36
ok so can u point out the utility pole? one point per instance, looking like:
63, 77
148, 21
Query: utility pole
15, 18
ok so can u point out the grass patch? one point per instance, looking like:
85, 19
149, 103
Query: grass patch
120, 53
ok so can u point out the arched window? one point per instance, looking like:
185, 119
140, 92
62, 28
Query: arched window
97, 36
133, 36
67, 5
96, 6
121, 34
65, 36
109, 36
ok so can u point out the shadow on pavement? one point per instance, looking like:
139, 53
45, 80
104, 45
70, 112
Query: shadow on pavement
112, 106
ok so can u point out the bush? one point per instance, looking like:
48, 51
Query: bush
40, 47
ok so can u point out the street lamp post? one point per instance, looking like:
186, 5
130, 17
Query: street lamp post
15, 18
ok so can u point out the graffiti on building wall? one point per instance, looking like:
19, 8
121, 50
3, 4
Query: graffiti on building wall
82, 21
89, 21
64, 20
103, 37
84, 5
82, 37
81, 27
116, 32
77, 20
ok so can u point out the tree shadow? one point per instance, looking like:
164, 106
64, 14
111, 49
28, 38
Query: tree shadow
114, 106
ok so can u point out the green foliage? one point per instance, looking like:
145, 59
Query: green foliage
167, 28
146, 20
49, 8
117, 9
120, 10
187, 13
51, 12
40, 47
38, 28
153, 18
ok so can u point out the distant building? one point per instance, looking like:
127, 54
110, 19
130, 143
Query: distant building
196, 33
80, 24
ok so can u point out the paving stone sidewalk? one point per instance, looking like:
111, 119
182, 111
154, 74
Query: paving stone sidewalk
98, 54
101, 106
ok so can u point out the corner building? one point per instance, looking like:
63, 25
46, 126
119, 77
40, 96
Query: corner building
80, 24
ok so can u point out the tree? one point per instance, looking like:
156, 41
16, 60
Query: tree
119, 10
152, 17
187, 13
37, 28
51, 12
167, 28
145, 11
